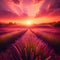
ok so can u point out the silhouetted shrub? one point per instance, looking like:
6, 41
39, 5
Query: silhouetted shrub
1, 25
10, 23
57, 24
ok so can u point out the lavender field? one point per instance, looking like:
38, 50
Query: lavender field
29, 44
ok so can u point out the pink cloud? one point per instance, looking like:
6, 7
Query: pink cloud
30, 7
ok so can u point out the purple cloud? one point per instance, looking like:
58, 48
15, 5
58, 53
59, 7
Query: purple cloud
16, 1
49, 7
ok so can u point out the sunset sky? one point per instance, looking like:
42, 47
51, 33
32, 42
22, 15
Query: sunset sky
38, 11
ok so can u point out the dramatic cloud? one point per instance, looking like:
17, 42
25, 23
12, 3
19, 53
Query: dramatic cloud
49, 7
19, 7
16, 1
32, 8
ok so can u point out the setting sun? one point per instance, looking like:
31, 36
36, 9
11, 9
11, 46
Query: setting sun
28, 22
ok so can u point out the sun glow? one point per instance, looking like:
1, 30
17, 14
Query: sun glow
28, 22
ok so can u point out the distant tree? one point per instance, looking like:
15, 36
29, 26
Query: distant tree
10, 23
0, 24
57, 24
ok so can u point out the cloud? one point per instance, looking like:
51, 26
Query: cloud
16, 1
49, 7
19, 7
55, 4
56, 12
7, 14
32, 8
9, 7
54, 9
